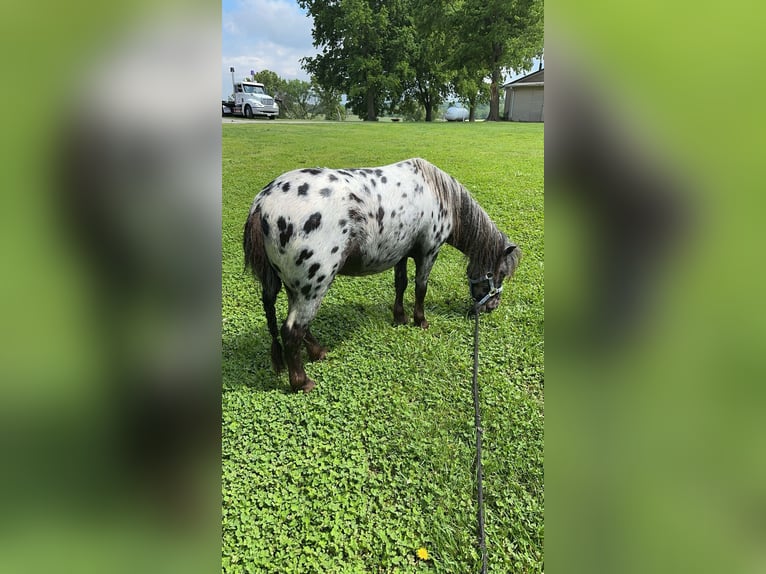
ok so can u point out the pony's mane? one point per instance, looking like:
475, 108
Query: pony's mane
473, 232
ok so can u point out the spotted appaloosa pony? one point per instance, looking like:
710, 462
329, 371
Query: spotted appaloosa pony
309, 225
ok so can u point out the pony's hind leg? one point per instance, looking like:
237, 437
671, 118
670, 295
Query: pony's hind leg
302, 307
271, 287
295, 334
315, 350
293, 337
400, 282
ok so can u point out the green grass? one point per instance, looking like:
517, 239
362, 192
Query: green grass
378, 460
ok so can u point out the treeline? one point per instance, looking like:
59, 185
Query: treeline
395, 55
299, 99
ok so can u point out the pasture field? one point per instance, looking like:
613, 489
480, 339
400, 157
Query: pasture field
378, 461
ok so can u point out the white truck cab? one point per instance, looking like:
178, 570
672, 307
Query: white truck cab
250, 100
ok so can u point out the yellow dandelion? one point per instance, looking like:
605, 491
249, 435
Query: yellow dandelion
423, 553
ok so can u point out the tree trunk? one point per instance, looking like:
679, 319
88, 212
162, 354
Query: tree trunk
494, 97
372, 115
429, 111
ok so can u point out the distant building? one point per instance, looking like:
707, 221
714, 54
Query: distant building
524, 98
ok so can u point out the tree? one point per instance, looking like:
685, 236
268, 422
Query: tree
295, 96
471, 89
429, 54
364, 51
384, 54
328, 102
411, 110
497, 36
272, 83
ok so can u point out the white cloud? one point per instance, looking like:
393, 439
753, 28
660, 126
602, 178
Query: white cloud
265, 34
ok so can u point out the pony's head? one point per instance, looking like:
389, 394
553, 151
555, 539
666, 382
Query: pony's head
487, 285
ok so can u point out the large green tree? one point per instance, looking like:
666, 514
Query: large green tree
429, 54
364, 50
497, 36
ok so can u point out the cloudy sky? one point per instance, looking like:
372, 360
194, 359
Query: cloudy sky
264, 35
267, 35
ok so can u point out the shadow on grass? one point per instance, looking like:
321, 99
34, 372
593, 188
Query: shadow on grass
247, 356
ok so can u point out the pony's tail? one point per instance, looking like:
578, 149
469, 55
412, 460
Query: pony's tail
258, 262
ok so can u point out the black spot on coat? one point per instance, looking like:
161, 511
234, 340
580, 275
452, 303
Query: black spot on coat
313, 270
285, 231
304, 255
303, 189
312, 222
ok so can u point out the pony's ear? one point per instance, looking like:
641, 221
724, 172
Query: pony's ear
512, 257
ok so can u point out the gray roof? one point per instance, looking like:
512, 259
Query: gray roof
533, 78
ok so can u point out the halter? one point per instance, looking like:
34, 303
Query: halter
492, 292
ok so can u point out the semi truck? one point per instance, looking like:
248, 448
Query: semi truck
249, 100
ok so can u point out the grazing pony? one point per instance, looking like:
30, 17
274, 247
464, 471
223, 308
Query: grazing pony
309, 225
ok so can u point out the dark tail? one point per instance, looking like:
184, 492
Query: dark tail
257, 261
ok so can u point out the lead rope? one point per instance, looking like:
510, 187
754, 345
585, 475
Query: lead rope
492, 291
479, 431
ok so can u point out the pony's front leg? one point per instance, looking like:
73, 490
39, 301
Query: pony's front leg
400, 282
422, 271
292, 337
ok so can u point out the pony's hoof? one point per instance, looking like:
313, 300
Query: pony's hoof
422, 324
318, 355
308, 386
400, 321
